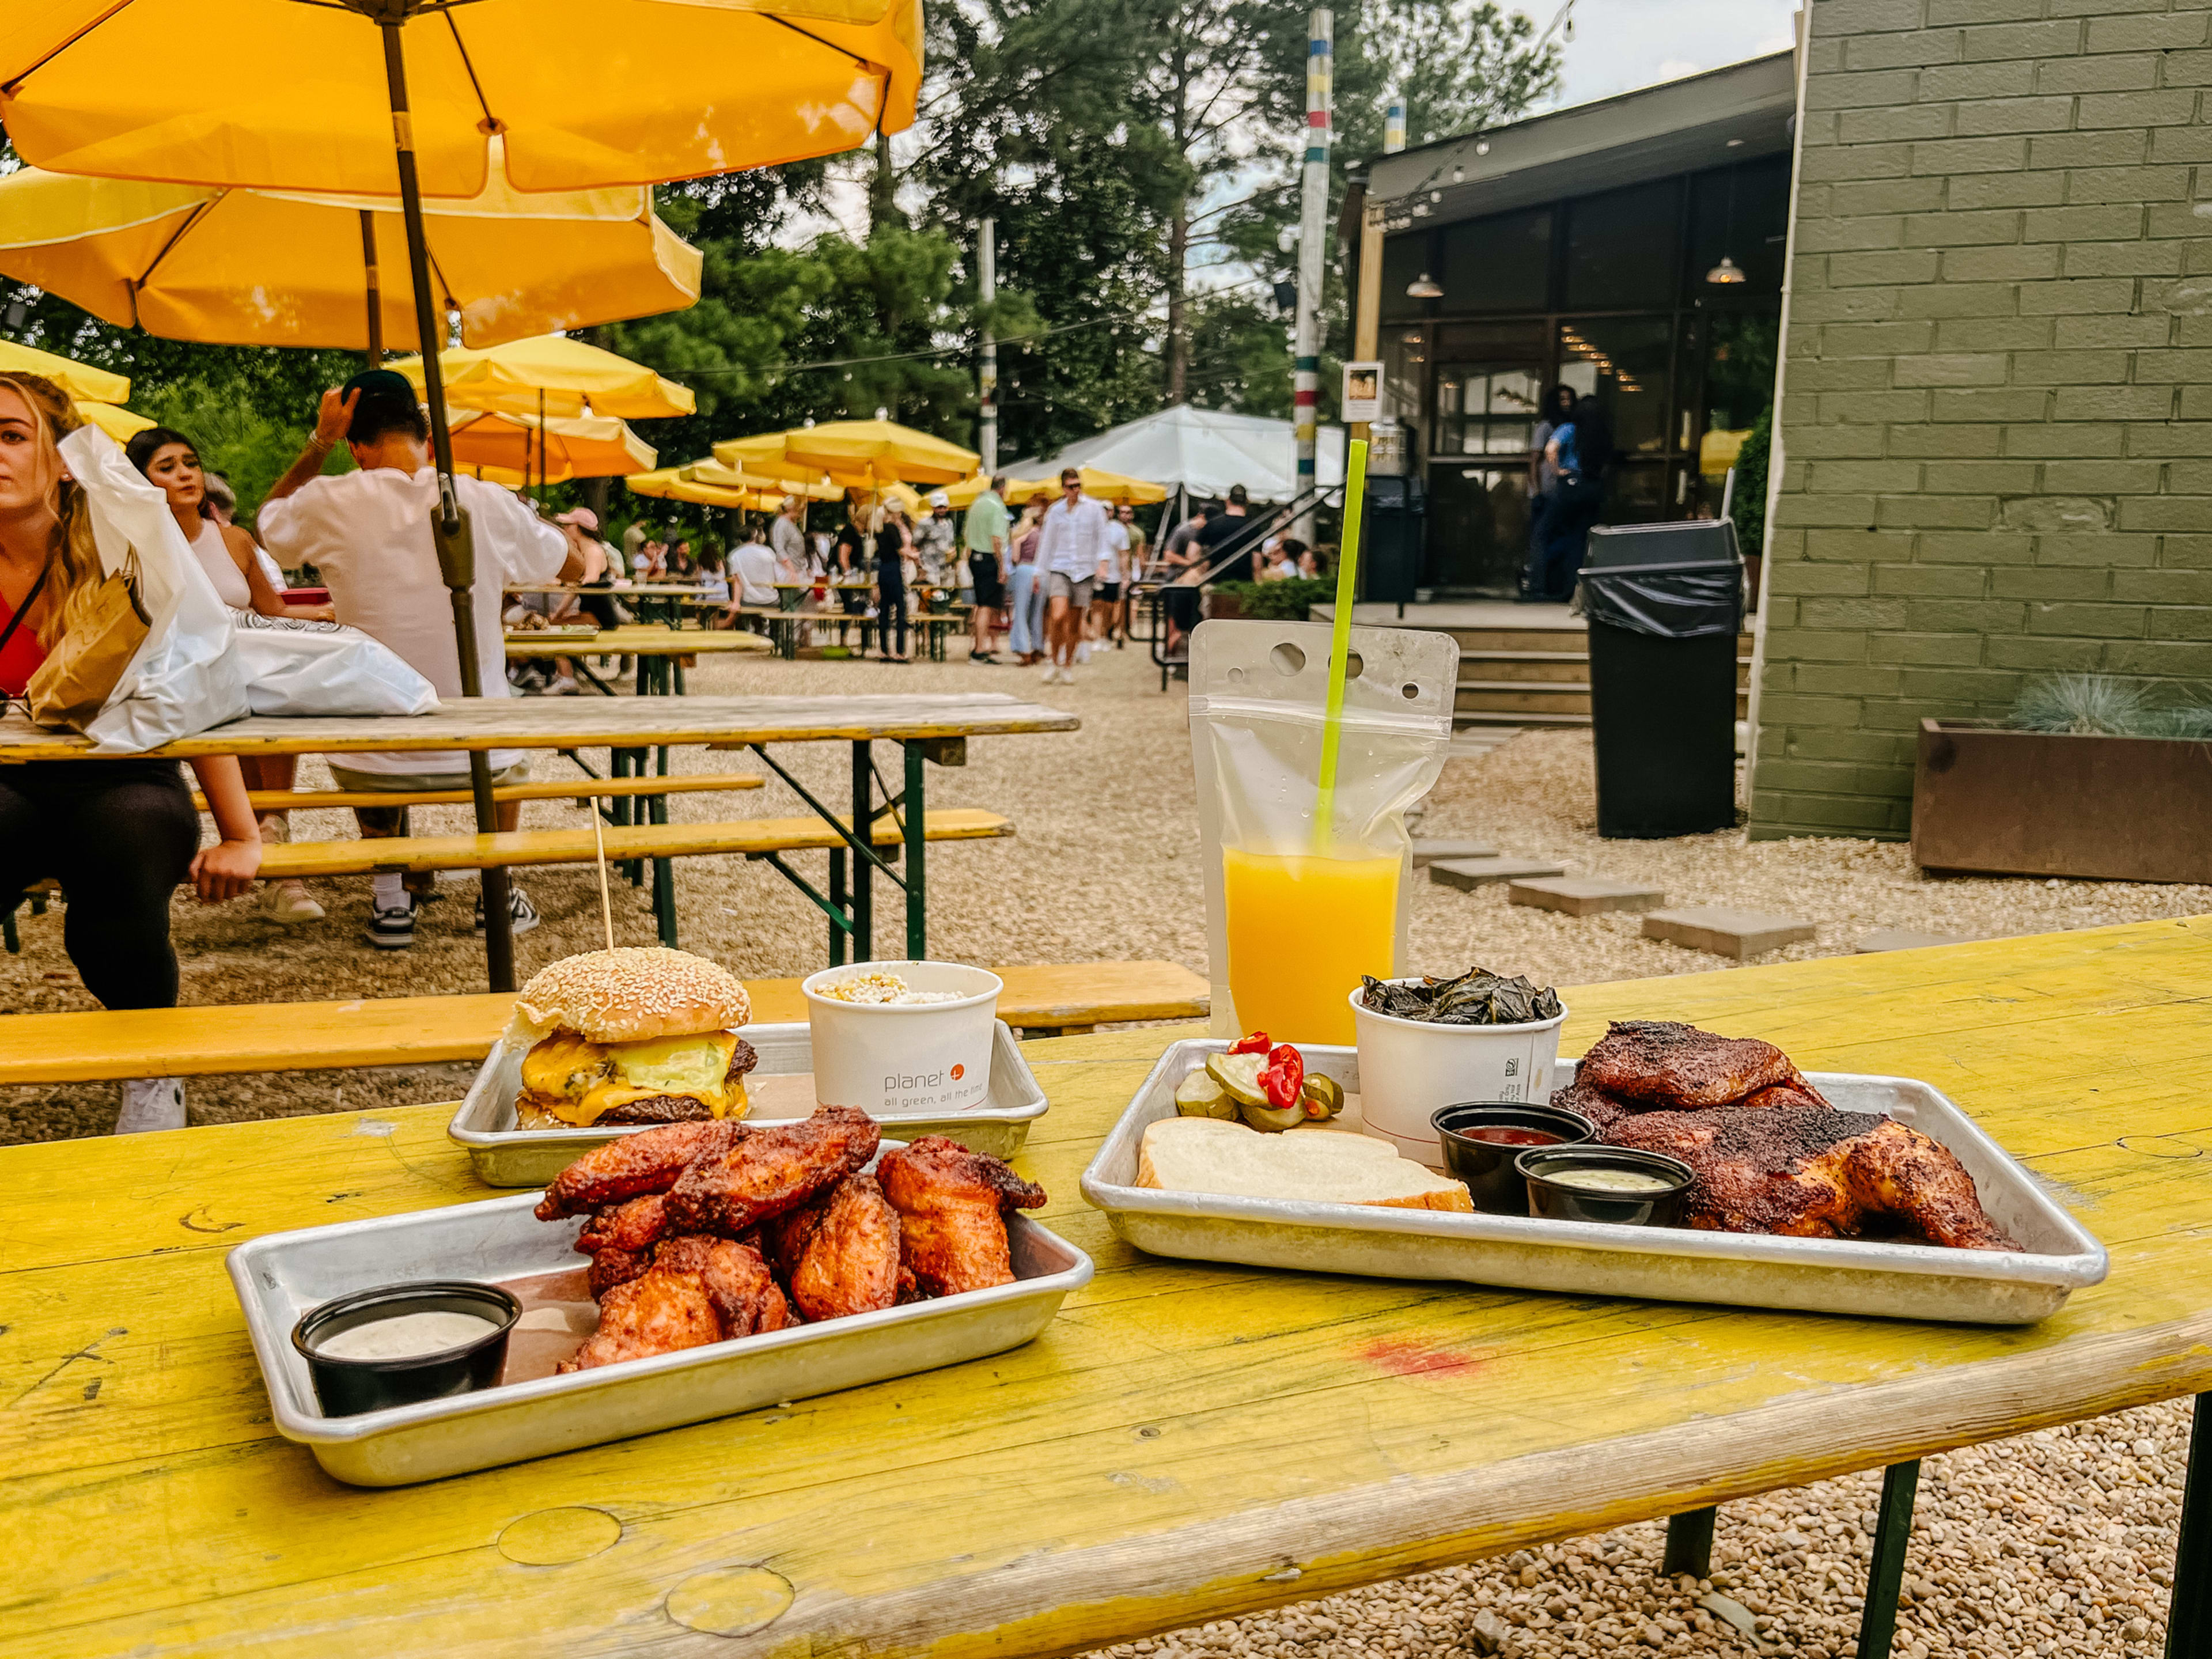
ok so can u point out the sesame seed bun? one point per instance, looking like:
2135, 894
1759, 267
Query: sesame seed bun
631, 994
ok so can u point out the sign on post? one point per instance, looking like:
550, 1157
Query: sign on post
1363, 393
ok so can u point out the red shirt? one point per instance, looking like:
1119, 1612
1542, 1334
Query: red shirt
21, 658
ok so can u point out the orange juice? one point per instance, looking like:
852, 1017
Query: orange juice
1302, 930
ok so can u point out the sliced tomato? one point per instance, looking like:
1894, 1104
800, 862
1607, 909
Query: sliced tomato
1257, 1043
1284, 1077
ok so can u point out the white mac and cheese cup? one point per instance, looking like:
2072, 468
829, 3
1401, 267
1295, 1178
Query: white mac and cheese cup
904, 1059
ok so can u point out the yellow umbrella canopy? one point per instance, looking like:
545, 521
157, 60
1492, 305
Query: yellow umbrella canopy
506, 447
244, 267
862, 452
766, 483
586, 92
81, 381
1098, 483
668, 484
118, 423
550, 374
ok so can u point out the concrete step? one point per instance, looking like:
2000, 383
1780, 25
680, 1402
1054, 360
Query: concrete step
1723, 932
1469, 874
1522, 697
1464, 719
1524, 665
1476, 640
1584, 895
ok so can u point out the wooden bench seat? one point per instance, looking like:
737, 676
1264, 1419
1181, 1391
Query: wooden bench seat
305, 801
302, 1037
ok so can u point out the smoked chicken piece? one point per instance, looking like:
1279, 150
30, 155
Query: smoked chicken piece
767, 1172
697, 1291
849, 1260
950, 1205
1794, 1090
1665, 1065
1594, 1103
1813, 1172
634, 1224
648, 1162
610, 1268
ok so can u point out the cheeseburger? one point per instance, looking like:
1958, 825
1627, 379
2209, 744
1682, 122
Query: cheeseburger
632, 1036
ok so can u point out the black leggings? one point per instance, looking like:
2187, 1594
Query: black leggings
891, 612
119, 835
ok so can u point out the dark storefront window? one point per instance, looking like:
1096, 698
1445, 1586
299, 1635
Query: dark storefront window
1625, 363
1490, 380
1740, 214
1405, 259
1621, 248
1503, 264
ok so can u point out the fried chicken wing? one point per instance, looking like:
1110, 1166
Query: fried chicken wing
950, 1203
697, 1291
634, 1224
610, 1268
649, 1162
1664, 1064
767, 1172
1814, 1172
849, 1262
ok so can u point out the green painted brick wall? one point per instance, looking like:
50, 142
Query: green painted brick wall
1996, 411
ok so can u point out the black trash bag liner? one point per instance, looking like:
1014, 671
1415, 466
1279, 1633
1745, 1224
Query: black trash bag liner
1670, 605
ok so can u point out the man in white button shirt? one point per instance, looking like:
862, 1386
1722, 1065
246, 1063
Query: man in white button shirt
368, 533
1071, 547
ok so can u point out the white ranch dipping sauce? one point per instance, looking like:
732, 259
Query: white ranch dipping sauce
1608, 1181
405, 1336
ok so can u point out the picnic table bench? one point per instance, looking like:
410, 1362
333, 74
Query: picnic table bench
1186, 1441
658, 651
231, 1038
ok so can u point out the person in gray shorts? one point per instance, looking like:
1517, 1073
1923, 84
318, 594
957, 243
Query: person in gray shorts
1071, 547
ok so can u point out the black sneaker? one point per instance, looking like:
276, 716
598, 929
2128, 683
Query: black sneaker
392, 929
519, 907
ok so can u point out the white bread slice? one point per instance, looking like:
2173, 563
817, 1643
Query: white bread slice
1321, 1166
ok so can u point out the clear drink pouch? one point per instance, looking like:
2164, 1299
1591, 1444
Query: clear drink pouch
1294, 917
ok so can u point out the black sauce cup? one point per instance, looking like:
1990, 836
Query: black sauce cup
1551, 1198
347, 1387
1487, 1167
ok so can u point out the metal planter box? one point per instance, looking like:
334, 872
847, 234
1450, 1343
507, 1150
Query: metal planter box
2057, 804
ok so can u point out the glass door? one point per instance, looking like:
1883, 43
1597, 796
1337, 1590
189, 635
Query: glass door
1489, 387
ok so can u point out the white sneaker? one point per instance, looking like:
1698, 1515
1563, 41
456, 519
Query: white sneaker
1067, 676
1051, 673
289, 902
151, 1103
1083, 651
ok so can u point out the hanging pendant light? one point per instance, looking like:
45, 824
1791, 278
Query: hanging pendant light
1727, 271
1424, 287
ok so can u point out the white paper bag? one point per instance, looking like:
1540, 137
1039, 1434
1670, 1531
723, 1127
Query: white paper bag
184, 678
296, 666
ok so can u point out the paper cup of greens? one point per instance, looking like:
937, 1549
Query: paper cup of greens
1479, 1037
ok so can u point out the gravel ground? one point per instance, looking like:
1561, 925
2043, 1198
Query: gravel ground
2057, 1544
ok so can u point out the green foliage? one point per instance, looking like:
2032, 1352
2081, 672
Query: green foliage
1286, 600
250, 443
1748, 508
2097, 705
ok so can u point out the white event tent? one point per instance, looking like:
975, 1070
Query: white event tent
1200, 451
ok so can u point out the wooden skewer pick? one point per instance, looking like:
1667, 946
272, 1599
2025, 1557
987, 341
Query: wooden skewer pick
599, 845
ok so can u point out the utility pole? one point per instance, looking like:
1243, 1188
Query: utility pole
987, 287
1313, 249
1393, 125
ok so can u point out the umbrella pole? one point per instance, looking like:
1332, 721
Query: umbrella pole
375, 289
456, 548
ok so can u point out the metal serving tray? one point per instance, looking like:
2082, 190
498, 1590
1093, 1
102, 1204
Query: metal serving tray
1819, 1275
506, 1156
281, 1277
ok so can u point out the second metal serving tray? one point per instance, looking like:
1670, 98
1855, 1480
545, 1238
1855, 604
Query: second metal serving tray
280, 1277
1758, 1270
506, 1156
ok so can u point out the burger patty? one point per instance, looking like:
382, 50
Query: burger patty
680, 1108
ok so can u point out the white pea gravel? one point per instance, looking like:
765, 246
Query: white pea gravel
2058, 1545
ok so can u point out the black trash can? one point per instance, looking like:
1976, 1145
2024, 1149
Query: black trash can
1664, 604
1392, 540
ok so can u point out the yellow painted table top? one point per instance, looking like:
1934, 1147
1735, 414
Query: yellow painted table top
575, 722
1185, 1442
637, 641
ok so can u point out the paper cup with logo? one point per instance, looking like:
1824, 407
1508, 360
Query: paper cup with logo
1408, 1068
904, 1059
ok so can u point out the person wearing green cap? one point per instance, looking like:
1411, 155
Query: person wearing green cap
369, 532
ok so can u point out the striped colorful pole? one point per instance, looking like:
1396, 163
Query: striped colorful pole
1393, 127
1313, 249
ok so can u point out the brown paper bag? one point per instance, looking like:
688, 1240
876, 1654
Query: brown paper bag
107, 624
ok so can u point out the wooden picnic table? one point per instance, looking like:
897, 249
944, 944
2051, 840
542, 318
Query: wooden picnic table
926, 728
655, 646
1186, 1441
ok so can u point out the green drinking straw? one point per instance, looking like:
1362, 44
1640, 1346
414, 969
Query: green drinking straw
1347, 569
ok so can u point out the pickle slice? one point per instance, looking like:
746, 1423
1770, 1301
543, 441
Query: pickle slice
1199, 1096
1325, 1093
1271, 1120
1239, 1076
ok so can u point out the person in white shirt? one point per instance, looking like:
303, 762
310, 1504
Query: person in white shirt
755, 571
1106, 603
1074, 549
786, 540
368, 533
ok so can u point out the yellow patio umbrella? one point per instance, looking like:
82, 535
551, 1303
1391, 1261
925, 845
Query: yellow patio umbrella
963, 495
117, 422
586, 92
550, 374
245, 267
1116, 487
668, 484
81, 381
768, 484
864, 453
507, 448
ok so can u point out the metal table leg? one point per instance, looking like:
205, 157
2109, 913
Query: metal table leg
841, 902
864, 817
2189, 1614
1892, 1532
917, 909
1689, 1544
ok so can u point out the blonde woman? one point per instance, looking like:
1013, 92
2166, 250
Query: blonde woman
119, 835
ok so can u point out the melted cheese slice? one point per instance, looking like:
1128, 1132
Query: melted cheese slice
579, 1081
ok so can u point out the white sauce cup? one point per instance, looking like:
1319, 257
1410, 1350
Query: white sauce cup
904, 1059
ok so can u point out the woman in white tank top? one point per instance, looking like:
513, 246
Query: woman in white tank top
228, 555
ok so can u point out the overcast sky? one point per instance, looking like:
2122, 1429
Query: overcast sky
1621, 44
